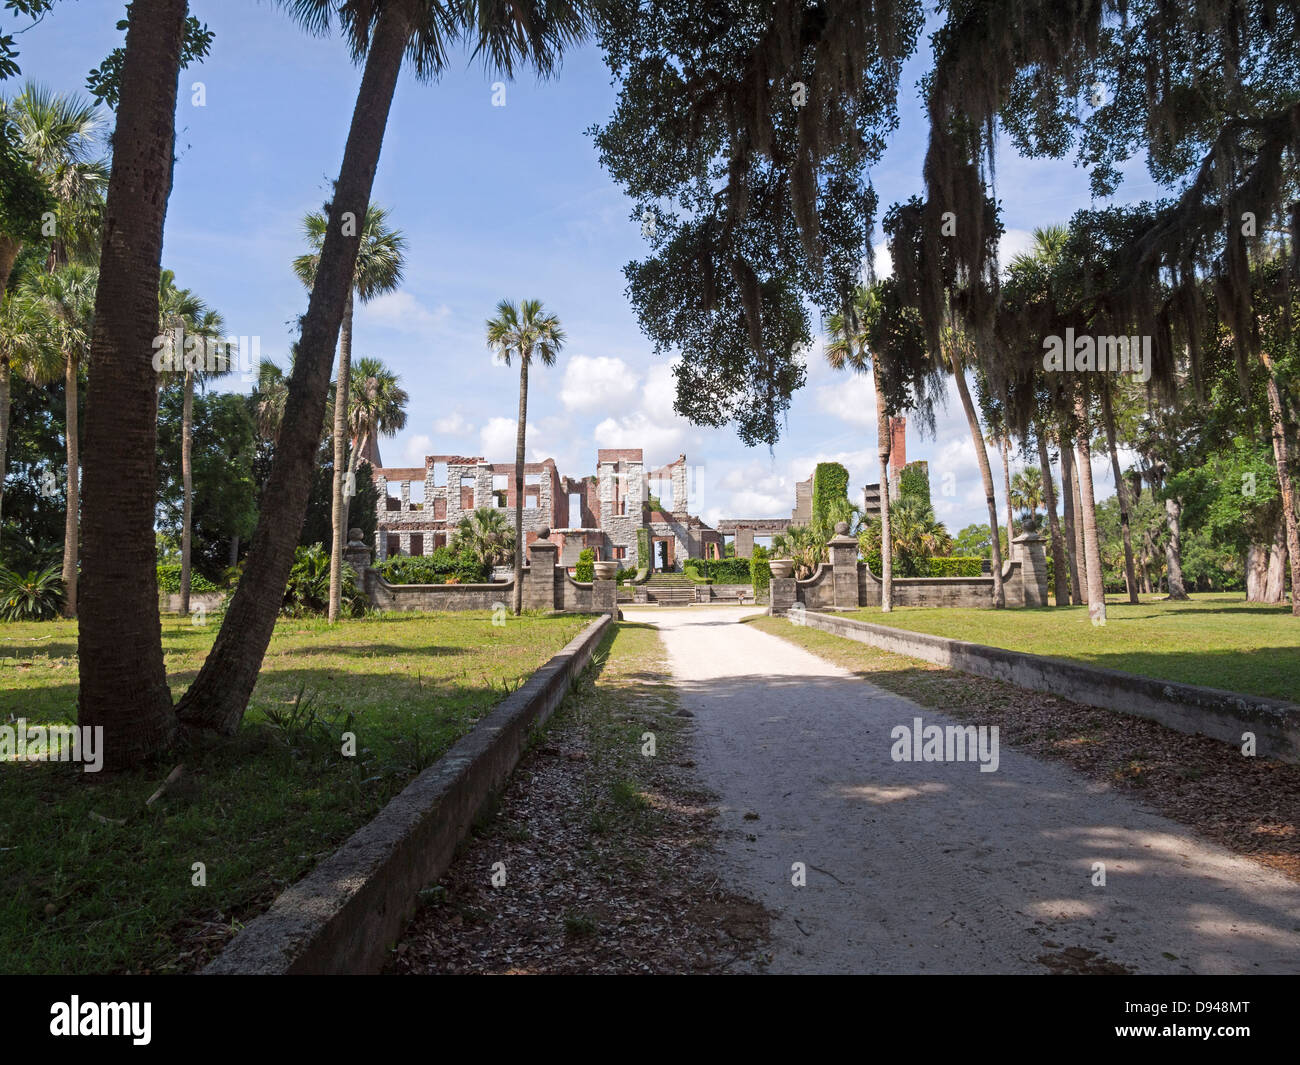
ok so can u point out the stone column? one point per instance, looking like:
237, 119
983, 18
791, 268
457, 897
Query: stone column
744, 543
1028, 550
539, 577
782, 595
357, 554
843, 550
604, 598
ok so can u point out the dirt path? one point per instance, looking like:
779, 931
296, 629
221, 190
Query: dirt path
938, 867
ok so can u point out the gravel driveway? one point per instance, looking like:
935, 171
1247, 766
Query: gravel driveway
932, 866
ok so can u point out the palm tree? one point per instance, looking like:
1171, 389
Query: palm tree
119, 636
377, 408
802, 545
958, 350
1088, 512
918, 535
1001, 439
1121, 490
65, 303
378, 269
487, 534
1027, 492
508, 35
267, 399
524, 331
60, 134
849, 347
21, 352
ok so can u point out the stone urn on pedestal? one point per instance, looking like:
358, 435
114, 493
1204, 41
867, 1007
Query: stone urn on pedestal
605, 571
781, 567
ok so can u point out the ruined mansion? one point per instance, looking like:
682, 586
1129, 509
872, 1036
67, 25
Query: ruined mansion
613, 511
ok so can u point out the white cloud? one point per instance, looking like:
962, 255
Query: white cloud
415, 449
453, 424
852, 398
597, 383
497, 439
402, 312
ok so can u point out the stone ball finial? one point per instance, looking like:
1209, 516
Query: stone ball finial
544, 532
841, 528
355, 535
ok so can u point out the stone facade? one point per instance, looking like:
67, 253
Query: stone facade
612, 507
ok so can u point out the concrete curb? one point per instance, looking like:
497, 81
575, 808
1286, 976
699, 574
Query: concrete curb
1222, 715
345, 914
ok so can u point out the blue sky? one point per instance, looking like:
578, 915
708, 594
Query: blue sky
498, 202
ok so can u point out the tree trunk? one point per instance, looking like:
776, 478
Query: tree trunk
72, 498
1121, 493
1174, 548
1282, 458
884, 445
517, 595
9, 250
219, 695
354, 460
986, 473
1275, 580
1149, 556
187, 489
339, 513
1088, 516
4, 431
233, 558
119, 639
1077, 552
1070, 529
1005, 447
1060, 568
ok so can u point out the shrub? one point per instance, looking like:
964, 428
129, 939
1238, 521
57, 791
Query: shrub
586, 568
955, 566
308, 589
470, 569
33, 596
760, 575
830, 498
719, 570
169, 579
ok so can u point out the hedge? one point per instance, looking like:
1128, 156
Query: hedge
438, 568
957, 566
718, 570
760, 575
585, 570
169, 579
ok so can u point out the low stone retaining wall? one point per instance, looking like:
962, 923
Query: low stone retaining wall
344, 916
1221, 715
385, 596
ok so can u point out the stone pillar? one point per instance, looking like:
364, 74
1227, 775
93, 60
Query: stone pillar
782, 595
843, 550
356, 554
1029, 551
604, 598
539, 577
744, 543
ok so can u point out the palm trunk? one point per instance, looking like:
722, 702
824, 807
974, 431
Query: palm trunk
1088, 514
4, 431
1074, 520
986, 473
119, 638
1282, 458
884, 445
1059, 565
1005, 448
1275, 580
354, 458
219, 695
1071, 531
339, 514
518, 594
1174, 548
187, 489
1121, 493
73, 496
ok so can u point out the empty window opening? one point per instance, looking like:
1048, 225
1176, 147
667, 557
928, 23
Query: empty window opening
439, 474
417, 543
392, 545
575, 510
417, 495
500, 489
466, 492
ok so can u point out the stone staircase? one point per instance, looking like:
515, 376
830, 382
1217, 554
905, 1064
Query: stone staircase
670, 589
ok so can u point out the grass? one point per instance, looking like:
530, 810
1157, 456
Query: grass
84, 895
1216, 640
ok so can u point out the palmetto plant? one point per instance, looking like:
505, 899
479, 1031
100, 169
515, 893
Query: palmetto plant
526, 332
802, 545
918, 535
378, 269
1027, 493
64, 302
487, 533
34, 596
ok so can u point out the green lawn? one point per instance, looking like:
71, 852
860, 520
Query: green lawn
79, 894
1218, 640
